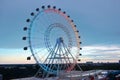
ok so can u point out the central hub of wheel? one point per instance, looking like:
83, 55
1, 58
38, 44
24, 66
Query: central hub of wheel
60, 40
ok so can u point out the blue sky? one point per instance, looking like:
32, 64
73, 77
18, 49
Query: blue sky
97, 20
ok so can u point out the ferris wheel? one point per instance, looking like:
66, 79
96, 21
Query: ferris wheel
53, 39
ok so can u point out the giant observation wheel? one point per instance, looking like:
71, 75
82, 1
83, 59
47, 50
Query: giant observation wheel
53, 39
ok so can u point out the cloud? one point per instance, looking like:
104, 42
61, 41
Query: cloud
95, 53
15, 56
102, 53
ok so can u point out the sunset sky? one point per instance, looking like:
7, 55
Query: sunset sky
97, 20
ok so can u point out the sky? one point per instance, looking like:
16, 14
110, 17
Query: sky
97, 20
